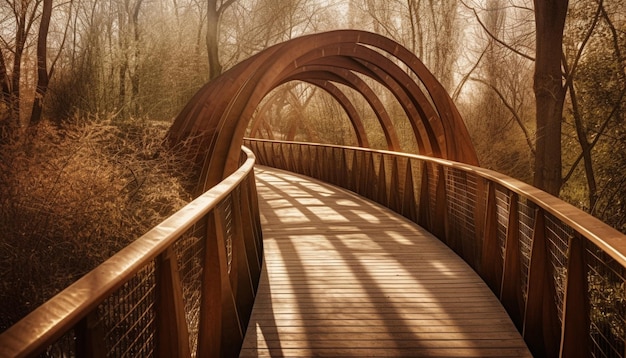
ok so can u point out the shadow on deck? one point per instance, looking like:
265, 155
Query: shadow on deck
346, 277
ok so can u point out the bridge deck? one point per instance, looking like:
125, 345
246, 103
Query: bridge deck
346, 277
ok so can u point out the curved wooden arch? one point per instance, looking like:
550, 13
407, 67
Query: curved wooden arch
220, 112
348, 78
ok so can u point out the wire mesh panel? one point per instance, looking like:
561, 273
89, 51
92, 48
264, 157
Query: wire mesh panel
558, 235
461, 198
502, 215
526, 228
607, 299
127, 317
226, 208
190, 255
63, 347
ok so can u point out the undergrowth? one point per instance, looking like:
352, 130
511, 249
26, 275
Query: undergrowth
72, 197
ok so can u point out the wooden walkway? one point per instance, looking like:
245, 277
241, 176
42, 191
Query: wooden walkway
344, 277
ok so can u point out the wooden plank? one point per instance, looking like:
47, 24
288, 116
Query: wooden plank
345, 277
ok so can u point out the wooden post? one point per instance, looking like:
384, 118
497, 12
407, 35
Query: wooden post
424, 199
362, 173
90, 337
219, 332
244, 295
491, 262
541, 323
172, 337
371, 182
248, 226
395, 189
381, 196
409, 206
511, 292
354, 167
576, 321
440, 219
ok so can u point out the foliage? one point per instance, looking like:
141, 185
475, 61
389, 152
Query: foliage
74, 196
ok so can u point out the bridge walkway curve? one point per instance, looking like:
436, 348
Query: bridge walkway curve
345, 277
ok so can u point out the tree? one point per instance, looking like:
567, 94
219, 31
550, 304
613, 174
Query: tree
549, 93
43, 78
215, 10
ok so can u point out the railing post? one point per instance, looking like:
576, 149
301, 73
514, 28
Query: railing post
253, 204
172, 339
90, 337
424, 200
440, 219
249, 228
541, 323
491, 262
511, 293
409, 206
381, 196
242, 268
354, 168
576, 323
395, 189
219, 332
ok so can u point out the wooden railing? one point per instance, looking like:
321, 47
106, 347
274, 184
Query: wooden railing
185, 288
559, 272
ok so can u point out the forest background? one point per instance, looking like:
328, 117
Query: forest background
89, 87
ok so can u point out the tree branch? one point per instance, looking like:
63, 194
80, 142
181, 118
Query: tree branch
511, 109
600, 131
467, 76
569, 75
494, 37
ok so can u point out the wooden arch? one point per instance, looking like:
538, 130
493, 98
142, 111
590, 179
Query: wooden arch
222, 109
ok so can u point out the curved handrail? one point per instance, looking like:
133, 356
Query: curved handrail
79, 302
530, 247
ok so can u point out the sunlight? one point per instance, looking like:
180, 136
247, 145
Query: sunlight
359, 241
399, 238
345, 202
291, 216
444, 269
366, 216
327, 214
309, 201
278, 203
318, 189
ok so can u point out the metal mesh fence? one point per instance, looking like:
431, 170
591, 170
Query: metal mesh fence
127, 317
526, 229
226, 208
461, 200
558, 235
190, 254
502, 216
63, 347
606, 280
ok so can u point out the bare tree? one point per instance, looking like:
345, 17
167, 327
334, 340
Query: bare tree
549, 93
215, 10
43, 78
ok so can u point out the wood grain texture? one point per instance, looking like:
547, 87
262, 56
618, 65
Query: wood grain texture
344, 277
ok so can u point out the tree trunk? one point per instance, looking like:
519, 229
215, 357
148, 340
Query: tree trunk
549, 93
42, 63
20, 40
134, 78
212, 40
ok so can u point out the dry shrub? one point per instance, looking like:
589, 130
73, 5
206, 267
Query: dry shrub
72, 197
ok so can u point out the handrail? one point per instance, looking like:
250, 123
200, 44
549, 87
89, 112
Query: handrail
559, 272
212, 245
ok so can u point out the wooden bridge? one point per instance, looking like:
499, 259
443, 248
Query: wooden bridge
387, 254
346, 277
